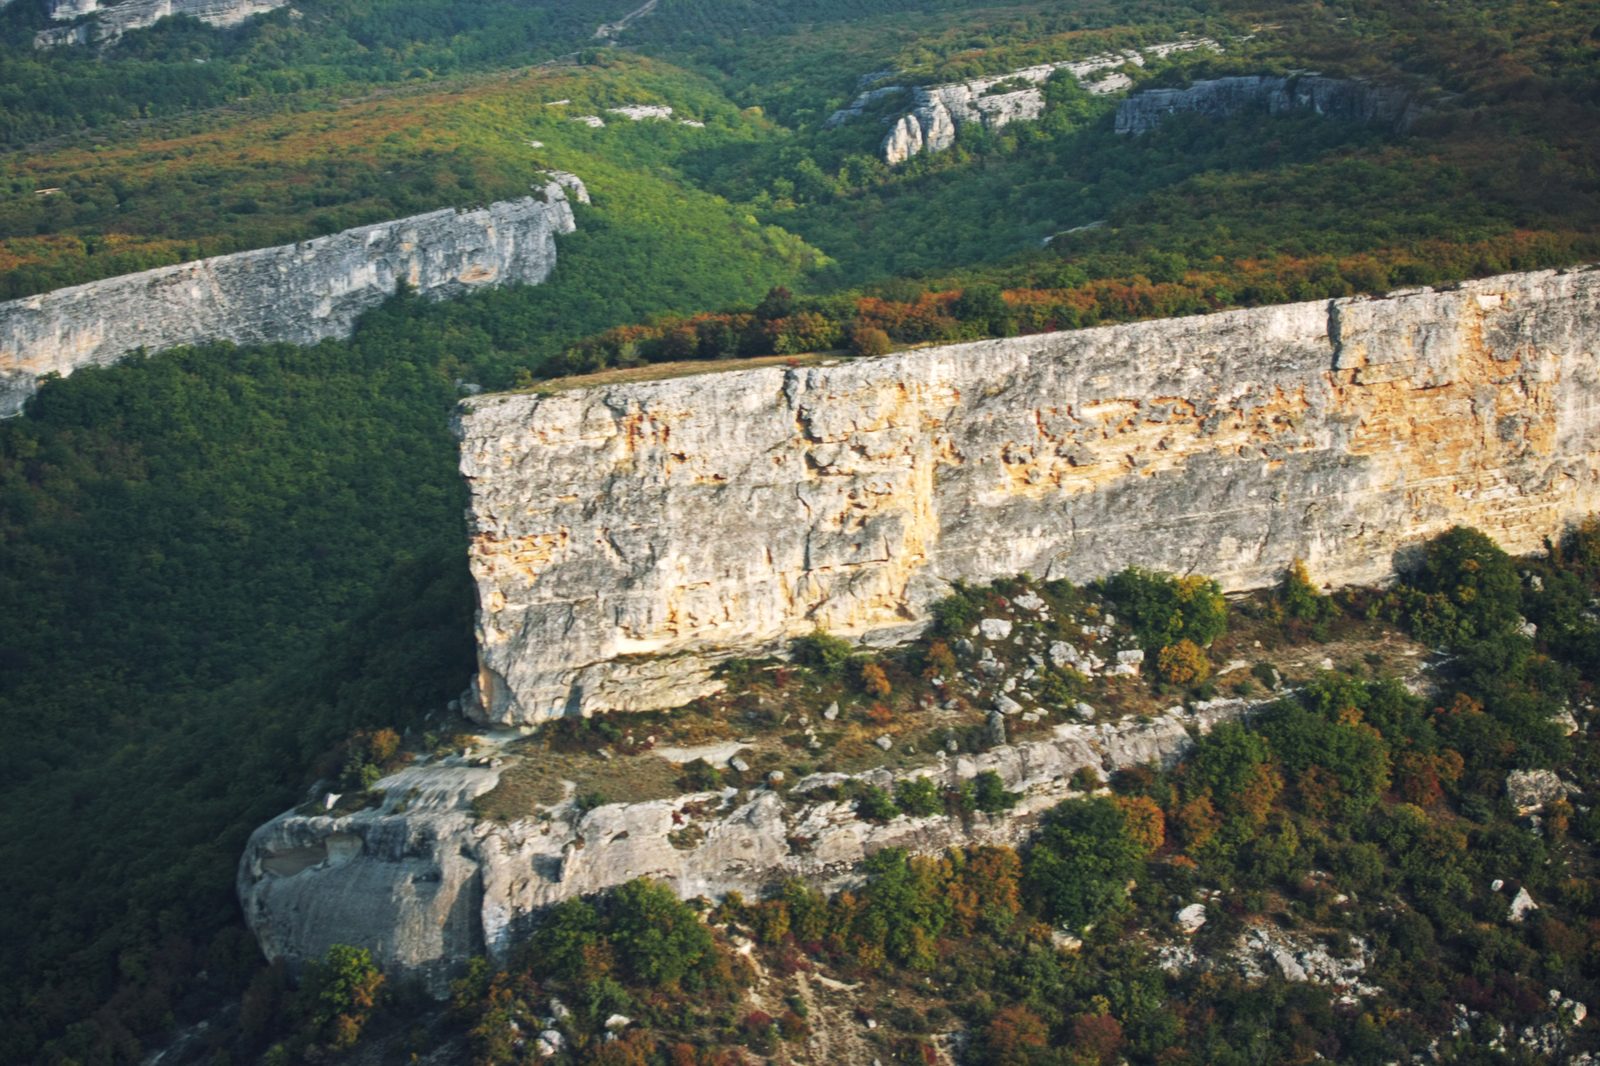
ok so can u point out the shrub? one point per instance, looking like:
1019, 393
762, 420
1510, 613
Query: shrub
874, 804
918, 797
820, 649
343, 989
1469, 590
657, 937
873, 680
990, 793
701, 776
1299, 596
1183, 663
1080, 866
869, 342
1164, 609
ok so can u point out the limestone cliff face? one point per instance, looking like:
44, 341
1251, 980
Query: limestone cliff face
299, 292
1353, 101
425, 887
937, 110
112, 20
628, 536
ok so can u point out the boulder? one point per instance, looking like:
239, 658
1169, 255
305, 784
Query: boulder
995, 628
1530, 790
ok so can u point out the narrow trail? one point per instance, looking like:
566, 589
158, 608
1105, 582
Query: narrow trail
608, 30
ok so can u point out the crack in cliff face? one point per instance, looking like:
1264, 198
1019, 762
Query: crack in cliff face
850, 496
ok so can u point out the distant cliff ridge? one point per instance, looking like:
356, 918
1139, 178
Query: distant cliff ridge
628, 537
938, 110
296, 292
112, 20
1353, 101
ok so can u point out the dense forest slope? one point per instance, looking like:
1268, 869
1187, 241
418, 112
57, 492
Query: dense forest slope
219, 563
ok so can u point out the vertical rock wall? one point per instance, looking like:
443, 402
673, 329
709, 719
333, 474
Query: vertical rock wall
1338, 98
113, 19
628, 536
299, 292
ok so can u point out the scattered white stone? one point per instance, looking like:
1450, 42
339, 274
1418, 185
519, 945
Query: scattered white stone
1528, 629
1064, 941
1496, 885
327, 804
691, 122
618, 1021
1123, 670
1083, 710
1325, 664
638, 112
1028, 601
1010, 685
1236, 664
1191, 918
1568, 724
590, 120
1292, 970
872, 1023
995, 628
558, 1009
1521, 905
884, 742
1031, 716
535, 144
775, 778
1006, 705
1134, 656
738, 764
832, 712
549, 1043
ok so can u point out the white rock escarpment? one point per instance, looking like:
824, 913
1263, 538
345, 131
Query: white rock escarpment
1338, 98
112, 20
297, 292
425, 887
938, 110
628, 536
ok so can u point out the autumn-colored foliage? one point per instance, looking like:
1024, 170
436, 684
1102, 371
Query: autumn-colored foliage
1011, 1036
1183, 663
873, 680
1146, 824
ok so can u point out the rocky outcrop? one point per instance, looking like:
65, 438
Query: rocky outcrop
112, 20
297, 292
625, 537
425, 886
937, 110
1337, 98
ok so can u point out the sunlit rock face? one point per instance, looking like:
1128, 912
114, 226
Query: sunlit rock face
300, 293
425, 885
627, 537
114, 19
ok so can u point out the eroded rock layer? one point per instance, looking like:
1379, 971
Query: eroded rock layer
425, 886
297, 292
628, 536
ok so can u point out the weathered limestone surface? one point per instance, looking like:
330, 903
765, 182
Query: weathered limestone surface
937, 110
428, 887
1354, 101
297, 292
628, 536
112, 20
